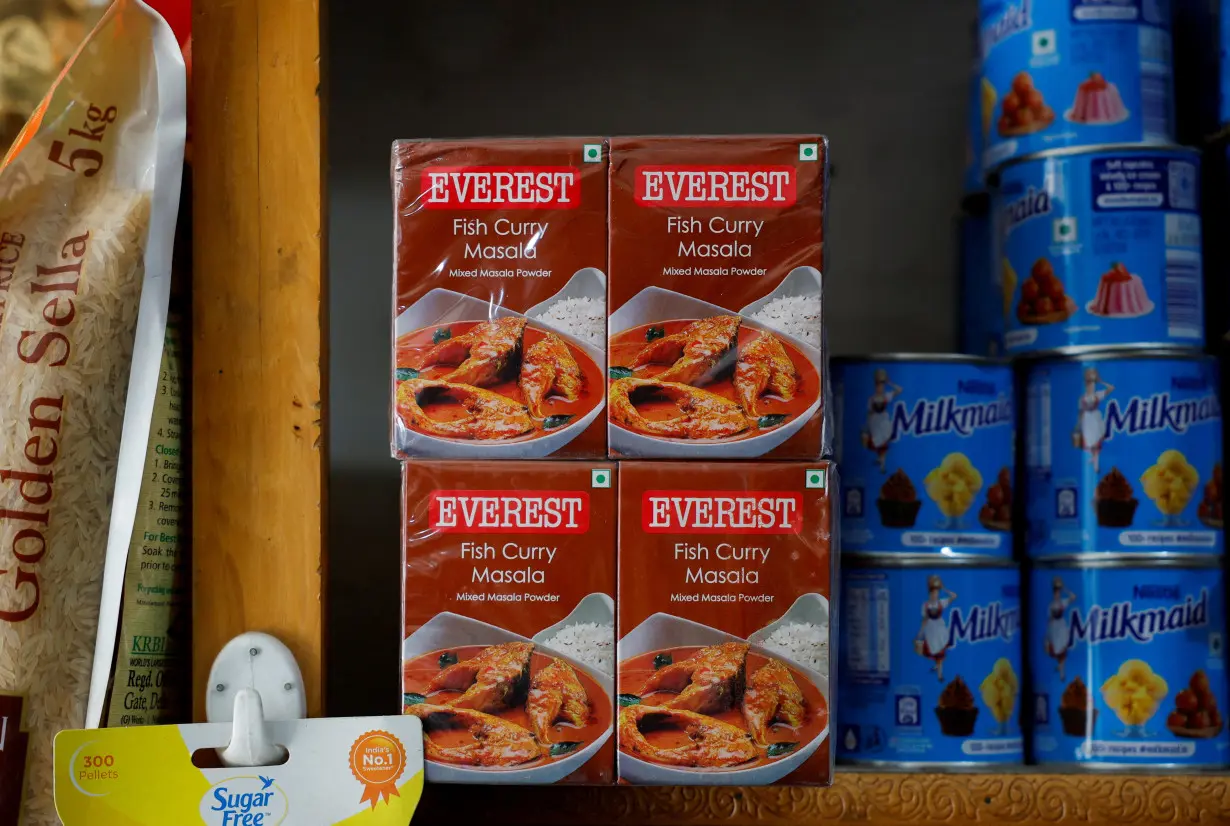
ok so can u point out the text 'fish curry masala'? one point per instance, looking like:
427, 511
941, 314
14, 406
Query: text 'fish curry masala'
708, 379
502, 706
715, 707
492, 380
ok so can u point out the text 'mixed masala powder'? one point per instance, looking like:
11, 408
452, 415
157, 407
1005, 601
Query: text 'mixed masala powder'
726, 576
509, 648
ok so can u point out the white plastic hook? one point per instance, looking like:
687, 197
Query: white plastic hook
254, 678
250, 743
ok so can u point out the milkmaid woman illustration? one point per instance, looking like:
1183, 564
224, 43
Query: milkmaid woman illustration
879, 428
1090, 429
1057, 624
932, 639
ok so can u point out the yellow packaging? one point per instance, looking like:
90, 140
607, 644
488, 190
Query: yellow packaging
357, 771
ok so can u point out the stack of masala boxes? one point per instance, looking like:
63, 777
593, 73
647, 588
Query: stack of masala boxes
508, 652
717, 400
562, 302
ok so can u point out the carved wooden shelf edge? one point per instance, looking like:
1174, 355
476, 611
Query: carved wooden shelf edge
866, 798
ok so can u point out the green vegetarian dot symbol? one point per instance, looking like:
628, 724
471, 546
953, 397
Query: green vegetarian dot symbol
815, 478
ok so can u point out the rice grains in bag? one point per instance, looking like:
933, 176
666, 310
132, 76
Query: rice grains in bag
88, 201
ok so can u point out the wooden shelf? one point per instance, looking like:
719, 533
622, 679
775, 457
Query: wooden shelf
859, 797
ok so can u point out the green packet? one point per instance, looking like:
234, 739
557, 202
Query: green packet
150, 683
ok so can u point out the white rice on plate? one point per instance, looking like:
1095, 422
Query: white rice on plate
592, 643
794, 315
805, 643
583, 318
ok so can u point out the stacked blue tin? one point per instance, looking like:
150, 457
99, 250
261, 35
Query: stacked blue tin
1083, 272
930, 658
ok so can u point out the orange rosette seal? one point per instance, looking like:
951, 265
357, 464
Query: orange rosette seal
377, 760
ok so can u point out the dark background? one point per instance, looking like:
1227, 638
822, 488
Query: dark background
886, 81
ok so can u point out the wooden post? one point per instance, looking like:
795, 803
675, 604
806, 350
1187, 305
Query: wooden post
258, 472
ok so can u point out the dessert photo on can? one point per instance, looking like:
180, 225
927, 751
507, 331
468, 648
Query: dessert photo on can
926, 447
1102, 248
1083, 73
1023, 110
1129, 666
724, 653
716, 342
499, 298
931, 665
1097, 102
509, 649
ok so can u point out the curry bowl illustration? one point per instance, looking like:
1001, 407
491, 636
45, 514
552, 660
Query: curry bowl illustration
475, 380
483, 694
732, 730
690, 379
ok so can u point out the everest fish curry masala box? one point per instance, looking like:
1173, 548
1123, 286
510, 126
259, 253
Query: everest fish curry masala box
509, 653
726, 572
715, 337
499, 298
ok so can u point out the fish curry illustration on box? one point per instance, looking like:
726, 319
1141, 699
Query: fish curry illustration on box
726, 572
508, 657
716, 341
499, 298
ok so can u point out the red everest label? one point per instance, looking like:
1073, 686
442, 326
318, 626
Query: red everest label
501, 187
715, 186
509, 511
718, 511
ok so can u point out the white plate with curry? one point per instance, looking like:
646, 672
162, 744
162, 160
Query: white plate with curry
719, 742
517, 750
653, 385
453, 401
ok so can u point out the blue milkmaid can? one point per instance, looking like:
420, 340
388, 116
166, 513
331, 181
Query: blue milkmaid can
1223, 98
982, 299
1070, 73
976, 132
1128, 663
977, 121
926, 449
1101, 249
930, 662
1123, 455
